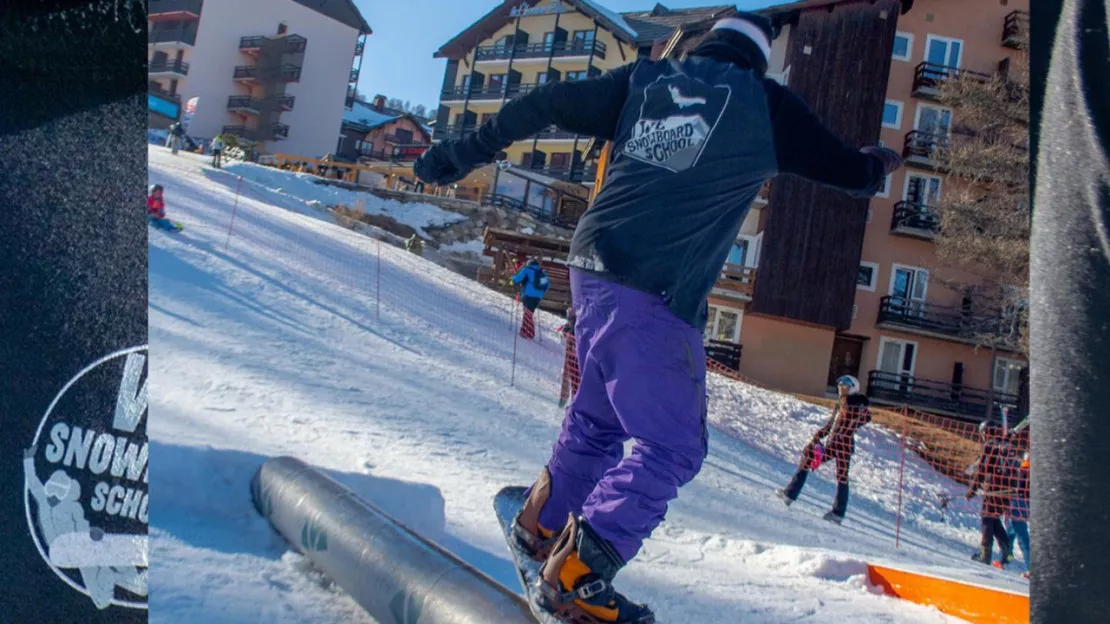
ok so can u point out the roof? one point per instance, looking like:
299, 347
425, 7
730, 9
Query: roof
362, 114
660, 22
491, 22
342, 11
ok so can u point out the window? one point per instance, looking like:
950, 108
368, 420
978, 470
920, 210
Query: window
543, 78
896, 363
892, 114
582, 37
576, 75
867, 277
1007, 375
745, 251
724, 324
404, 137
933, 120
560, 160
903, 46
496, 81
883, 192
943, 51
922, 189
908, 287
282, 28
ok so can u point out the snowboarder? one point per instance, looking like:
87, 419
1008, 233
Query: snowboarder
176, 137
217, 150
643, 259
533, 283
995, 476
156, 209
570, 360
851, 413
1018, 515
415, 245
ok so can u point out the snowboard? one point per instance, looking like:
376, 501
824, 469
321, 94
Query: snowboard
80, 550
506, 504
165, 225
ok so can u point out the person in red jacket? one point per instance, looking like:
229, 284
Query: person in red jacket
156, 209
571, 376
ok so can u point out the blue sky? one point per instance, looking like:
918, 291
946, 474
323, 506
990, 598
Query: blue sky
398, 60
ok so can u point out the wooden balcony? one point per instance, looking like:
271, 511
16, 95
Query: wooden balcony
1015, 30
290, 44
925, 150
937, 397
160, 10
540, 50
915, 220
736, 282
945, 322
928, 78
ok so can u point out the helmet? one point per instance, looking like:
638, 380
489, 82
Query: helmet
851, 382
155, 187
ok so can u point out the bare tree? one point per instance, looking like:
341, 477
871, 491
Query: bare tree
984, 212
420, 111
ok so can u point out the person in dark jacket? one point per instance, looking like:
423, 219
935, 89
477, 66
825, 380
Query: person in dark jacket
571, 376
994, 474
533, 283
176, 136
692, 143
851, 412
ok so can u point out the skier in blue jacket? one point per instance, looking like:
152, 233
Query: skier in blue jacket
533, 282
693, 141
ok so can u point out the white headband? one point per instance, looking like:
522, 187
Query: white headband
748, 29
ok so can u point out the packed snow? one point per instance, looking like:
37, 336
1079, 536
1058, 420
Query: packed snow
395, 376
308, 189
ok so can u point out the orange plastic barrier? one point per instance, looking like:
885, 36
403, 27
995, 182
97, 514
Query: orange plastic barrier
974, 603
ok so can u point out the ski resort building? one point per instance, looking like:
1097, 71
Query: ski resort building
272, 71
818, 284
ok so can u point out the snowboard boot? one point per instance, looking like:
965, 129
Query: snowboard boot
532, 538
833, 517
785, 498
575, 583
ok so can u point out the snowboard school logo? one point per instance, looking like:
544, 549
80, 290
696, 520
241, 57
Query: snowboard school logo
677, 117
85, 482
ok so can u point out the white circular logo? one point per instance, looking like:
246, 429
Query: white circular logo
85, 482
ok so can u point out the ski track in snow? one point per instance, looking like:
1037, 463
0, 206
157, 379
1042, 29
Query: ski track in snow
275, 347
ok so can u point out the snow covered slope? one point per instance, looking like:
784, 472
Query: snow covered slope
282, 345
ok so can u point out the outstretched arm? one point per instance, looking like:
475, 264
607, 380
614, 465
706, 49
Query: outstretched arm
590, 107
806, 148
32, 479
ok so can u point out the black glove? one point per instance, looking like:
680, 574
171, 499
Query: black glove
891, 159
447, 162
96, 533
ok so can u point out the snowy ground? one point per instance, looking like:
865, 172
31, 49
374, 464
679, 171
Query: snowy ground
281, 345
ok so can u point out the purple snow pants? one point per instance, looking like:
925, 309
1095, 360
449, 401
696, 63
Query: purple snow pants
643, 378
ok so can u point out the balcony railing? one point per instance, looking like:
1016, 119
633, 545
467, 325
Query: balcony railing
925, 149
540, 50
539, 214
915, 219
454, 132
251, 73
285, 102
726, 354
174, 36
359, 47
494, 92
930, 319
180, 68
353, 77
936, 396
267, 133
736, 281
1015, 30
928, 78
292, 44
556, 133
174, 8
244, 103
157, 90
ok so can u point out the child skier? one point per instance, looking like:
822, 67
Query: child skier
851, 413
993, 474
533, 283
156, 209
693, 141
